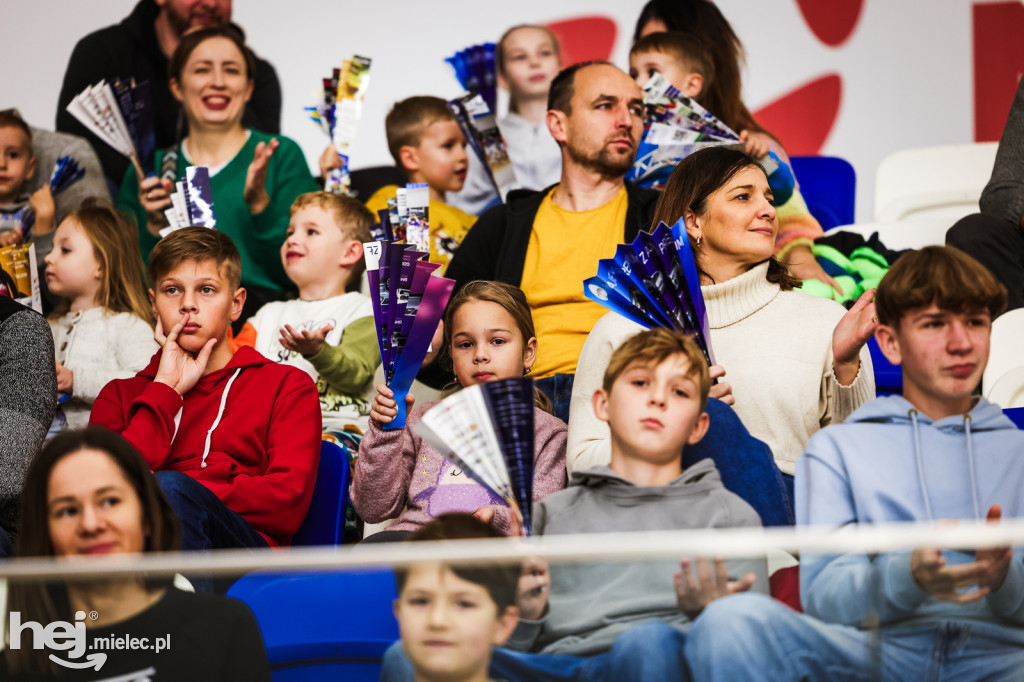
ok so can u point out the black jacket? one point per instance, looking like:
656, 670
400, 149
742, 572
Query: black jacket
130, 50
495, 248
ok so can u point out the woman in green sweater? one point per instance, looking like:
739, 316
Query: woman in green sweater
255, 177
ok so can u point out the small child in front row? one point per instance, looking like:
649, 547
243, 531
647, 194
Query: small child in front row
451, 617
103, 326
17, 167
426, 142
686, 62
328, 332
489, 329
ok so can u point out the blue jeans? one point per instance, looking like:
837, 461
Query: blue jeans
558, 389
645, 652
206, 523
751, 636
746, 465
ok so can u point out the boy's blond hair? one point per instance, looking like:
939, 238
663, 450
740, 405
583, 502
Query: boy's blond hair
653, 347
942, 275
408, 121
689, 53
351, 217
196, 244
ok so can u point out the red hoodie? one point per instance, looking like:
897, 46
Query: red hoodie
263, 419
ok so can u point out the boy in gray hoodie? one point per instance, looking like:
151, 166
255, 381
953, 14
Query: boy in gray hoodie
653, 397
935, 453
626, 620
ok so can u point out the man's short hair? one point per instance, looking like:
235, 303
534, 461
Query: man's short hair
409, 119
563, 87
653, 347
195, 244
499, 580
351, 217
942, 275
10, 118
688, 51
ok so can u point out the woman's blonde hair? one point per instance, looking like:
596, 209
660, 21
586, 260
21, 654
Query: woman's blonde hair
115, 244
512, 300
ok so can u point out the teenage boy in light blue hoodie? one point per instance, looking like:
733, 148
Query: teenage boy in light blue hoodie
936, 453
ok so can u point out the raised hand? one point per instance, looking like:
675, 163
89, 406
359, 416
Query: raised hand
255, 192
155, 197
304, 342
329, 160
754, 143
853, 331
65, 379
10, 238
42, 205
533, 588
721, 390
178, 368
384, 409
693, 594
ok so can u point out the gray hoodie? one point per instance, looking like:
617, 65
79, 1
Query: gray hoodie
593, 603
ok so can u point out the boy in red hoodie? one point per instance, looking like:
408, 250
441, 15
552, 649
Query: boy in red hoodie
234, 438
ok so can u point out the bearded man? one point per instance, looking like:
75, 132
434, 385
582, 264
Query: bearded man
548, 242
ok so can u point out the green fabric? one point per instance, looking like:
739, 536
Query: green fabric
865, 268
258, 237
350, 365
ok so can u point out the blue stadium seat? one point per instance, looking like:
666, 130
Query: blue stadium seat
322, 626
1016, 415
829, 186
325, 521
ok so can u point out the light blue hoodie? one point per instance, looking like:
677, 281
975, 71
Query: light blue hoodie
888, 463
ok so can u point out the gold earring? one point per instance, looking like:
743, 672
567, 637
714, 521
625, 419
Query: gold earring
698, 241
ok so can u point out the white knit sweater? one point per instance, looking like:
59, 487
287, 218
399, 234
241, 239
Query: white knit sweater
776, 348
99, 346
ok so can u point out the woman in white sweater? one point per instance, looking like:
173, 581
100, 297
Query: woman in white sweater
795, 362
102, 327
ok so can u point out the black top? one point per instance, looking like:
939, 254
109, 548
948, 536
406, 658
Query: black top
130, 50
203, 637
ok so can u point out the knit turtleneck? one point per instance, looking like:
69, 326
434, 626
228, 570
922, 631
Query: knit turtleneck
739, 297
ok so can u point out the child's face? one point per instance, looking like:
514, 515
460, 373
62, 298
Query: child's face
200, 289
214, 87
72, 271
653, 410
645, 64
943, 355
531, 63
440, 159
487, 344
315, 247
449, 625
16, 162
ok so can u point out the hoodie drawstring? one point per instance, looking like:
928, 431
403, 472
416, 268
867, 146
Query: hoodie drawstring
220, 413
920, 465
970, 461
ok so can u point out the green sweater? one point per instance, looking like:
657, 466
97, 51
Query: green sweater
258, 237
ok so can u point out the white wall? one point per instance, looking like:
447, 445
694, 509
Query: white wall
906, 69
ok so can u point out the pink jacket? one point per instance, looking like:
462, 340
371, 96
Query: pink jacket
399, 475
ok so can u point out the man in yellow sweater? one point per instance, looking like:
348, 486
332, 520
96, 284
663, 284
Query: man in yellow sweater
548, 242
